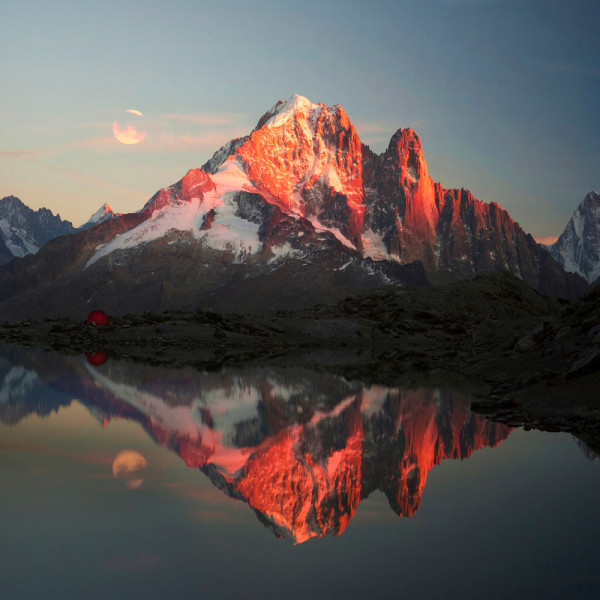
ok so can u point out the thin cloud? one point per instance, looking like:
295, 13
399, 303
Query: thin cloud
204, 119
169, 132
546, 240
374, 132
154, 142
381, 127
91, 180
48, 450
107, 141
29, 153
377, 133
187, 142
373, 127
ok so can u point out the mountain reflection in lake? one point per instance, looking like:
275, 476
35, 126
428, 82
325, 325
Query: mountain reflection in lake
302, 449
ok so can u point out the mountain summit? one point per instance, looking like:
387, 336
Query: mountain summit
578, 247
104, 213
297, 212
24, 231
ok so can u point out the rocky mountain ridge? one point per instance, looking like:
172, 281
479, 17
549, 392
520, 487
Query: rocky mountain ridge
299, 211
24, 231
104, 213
578, 247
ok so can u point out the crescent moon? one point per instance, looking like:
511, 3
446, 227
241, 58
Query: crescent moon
128, 134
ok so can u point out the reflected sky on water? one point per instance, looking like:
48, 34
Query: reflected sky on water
135, 481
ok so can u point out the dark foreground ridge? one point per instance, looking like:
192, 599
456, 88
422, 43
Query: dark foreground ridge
534, 360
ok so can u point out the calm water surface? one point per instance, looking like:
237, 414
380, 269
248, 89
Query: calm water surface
129, 481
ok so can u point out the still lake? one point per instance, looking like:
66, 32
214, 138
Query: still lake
121, 480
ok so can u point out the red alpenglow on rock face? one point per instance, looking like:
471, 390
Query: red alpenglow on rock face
97, 317
306, 159
301, 486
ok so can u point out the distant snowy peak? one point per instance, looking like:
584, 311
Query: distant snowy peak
104, 213
578, 247
24, 231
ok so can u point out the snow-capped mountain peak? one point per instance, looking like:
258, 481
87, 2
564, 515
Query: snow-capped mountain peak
304, 159
578, 247
24, 231
104, 213
283, 111
297, 212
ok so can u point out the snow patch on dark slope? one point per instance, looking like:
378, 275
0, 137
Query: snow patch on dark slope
104, 213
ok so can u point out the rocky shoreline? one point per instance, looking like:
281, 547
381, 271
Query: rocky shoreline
532, 360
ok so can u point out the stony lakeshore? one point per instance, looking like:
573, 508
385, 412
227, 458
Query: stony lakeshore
531, 360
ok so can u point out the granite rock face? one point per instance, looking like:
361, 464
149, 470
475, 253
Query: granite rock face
578, 247
448, 230
24, 231
297, 212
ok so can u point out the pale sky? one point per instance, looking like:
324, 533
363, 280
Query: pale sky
505, 94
